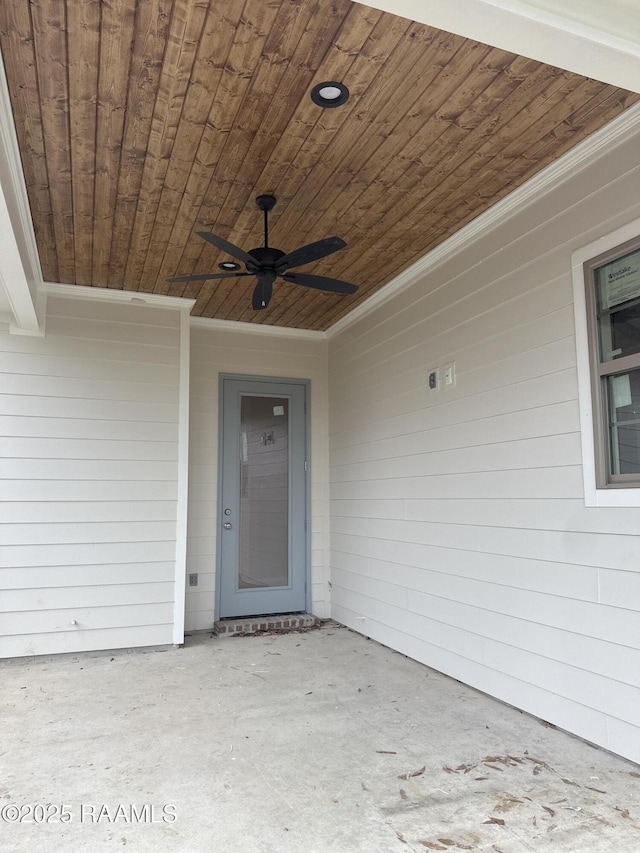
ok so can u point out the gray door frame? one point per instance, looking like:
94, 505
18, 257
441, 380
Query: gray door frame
267, 380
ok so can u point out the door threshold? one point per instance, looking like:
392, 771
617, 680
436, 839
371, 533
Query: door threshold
282, 623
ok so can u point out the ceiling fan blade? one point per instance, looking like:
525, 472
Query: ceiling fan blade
320, 282
312, 252
208, 275
262, 291
227, 247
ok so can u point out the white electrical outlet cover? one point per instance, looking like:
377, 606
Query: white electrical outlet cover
449, 374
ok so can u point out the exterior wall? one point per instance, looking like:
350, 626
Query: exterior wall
215, 351
89, 447
459, 530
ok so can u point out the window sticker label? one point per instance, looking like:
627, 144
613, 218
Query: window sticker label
619, 281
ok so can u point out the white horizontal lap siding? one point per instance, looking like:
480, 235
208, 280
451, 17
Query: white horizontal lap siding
215, 351
89, 479
459, 532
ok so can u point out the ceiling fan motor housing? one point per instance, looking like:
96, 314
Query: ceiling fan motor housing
266, 258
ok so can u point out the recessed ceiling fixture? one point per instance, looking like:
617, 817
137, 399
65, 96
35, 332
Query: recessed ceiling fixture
229, 265
330, 94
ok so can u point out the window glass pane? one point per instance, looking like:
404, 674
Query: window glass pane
618, 306
623, 392
620, 332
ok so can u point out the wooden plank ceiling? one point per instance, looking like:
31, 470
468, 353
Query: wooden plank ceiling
141, 123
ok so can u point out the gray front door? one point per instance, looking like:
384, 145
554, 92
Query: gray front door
263, 542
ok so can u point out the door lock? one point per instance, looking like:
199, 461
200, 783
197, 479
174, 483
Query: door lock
227, 512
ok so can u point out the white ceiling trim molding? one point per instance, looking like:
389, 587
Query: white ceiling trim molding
20, 271
105, 294
155, 300
256, 328
26, 308
557, 38
581, 157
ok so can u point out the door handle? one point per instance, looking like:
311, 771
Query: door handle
227, 525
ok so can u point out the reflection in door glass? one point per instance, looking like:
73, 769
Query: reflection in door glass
264, 492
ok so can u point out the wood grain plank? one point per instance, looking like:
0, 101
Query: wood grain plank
267, 110
237, 65
379, 112
300, 54
584, 120
204, 38
426, 172
151, 28
458, 221
258, 99
50, 40
168, 104
218, 36
457, 188
116, 43
378, 36
451, 60
360, 46
442, 135
381, 36
539, 118
84, 23
495, 169
239, 288
364, 43
453, 63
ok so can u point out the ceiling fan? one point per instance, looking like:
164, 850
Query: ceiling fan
267, 263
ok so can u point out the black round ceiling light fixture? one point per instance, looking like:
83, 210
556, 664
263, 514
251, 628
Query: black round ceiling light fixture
330, 94
229, 265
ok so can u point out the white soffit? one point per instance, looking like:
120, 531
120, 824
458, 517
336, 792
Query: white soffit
595, 38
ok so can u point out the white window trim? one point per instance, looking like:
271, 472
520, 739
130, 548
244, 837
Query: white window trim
593, 496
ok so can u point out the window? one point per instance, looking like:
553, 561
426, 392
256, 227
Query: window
612, 282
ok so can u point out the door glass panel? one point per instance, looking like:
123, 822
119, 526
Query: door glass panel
264, 492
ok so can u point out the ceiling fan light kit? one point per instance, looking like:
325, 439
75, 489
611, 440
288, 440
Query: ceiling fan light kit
268, 263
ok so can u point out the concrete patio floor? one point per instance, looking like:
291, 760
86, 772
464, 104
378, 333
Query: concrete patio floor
317, 741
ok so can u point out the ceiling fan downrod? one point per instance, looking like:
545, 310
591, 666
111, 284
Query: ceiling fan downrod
266, 203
